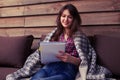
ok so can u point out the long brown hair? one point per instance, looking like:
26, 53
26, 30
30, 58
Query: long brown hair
75, 24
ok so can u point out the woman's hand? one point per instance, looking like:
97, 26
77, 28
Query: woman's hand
65, 57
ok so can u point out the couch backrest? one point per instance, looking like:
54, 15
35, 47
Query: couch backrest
107, 48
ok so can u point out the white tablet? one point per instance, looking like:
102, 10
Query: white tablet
49, 50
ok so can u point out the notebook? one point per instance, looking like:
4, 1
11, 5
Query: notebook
49, 50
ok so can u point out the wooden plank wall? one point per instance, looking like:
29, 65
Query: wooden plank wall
36, 17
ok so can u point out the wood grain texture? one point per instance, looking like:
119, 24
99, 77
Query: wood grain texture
100, 30
4, 3
39, 1
14, 11
111, 18
53, 8
12, 22
87, 19
10, 2
38, 31
101, 18
40, 21
37, 17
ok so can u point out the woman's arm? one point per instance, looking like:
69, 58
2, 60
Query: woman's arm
65, 57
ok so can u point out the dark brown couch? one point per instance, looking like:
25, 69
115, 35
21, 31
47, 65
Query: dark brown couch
106, 46
108, 52
13, 53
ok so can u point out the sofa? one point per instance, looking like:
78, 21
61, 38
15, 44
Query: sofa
15, 50
13, 53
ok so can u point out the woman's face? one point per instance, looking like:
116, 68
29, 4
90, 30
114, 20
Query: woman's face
66, 19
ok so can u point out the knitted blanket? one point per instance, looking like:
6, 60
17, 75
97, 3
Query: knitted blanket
88, 69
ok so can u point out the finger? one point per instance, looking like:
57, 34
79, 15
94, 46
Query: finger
62, 52
62, 58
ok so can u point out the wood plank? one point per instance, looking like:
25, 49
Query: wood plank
101, 18
82, 6
3, 32
116, 4
36, 32
4, 3
40, 21
12, 22
10, 2
39, 1
14, 11
0, 11
90, 31
15, 32
12, 32
87, 19
53, 8
42, 9
98, 5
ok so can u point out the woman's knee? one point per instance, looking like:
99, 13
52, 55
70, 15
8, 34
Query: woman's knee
40, 74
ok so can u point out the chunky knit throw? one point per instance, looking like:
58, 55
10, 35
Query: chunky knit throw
88, 69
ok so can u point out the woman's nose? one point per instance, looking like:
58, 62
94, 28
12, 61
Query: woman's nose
66, 18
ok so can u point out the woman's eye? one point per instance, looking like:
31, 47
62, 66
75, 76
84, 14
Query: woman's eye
70, 17
63, 15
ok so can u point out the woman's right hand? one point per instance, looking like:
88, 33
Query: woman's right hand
66, 57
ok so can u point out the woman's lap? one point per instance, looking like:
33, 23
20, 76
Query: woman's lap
56, 71
55, 77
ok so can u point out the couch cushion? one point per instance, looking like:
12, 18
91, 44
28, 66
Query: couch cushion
4, 71
108, 50
14, 50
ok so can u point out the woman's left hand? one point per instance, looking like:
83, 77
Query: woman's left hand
65, 57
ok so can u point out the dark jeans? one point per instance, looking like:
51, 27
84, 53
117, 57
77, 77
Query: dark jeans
56, 71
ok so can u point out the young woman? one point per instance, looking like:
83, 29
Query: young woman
79, 57
68, 22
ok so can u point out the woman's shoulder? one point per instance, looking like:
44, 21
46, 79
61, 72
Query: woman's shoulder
80, 34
